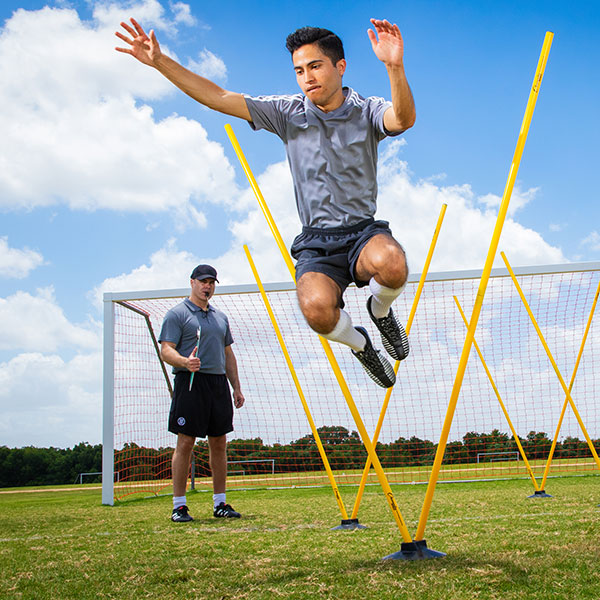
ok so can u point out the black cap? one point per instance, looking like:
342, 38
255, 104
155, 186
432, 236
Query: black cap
204, 272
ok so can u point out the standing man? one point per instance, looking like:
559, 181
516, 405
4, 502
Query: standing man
195, 339
331, 135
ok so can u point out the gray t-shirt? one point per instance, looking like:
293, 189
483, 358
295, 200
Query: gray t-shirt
332, 156
180, 327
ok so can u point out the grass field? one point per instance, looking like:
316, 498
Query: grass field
499, 545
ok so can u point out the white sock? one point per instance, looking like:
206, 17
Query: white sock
178, 501
344, 333
218, 498
383, 297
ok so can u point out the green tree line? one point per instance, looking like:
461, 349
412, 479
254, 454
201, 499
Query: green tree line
344, 449
48, 466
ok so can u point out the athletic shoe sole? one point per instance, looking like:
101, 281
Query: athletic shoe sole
377, 367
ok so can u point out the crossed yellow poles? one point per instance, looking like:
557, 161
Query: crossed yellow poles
567, 391
469, 340
487, 269
539, 488
366, 440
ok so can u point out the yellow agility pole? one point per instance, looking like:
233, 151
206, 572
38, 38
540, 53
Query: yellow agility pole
564, 408
366, 440
261, 201
288, 360
411, 316
462, 365
502, 406
554, 365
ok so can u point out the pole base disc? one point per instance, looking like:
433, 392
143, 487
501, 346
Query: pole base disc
416, 550
540, 494
349, 524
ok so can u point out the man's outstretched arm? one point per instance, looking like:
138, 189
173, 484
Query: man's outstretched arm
388, 46
147, 50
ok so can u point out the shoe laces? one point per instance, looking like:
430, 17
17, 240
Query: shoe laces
390, 325
370, 356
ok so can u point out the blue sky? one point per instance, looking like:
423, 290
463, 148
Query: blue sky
112, 180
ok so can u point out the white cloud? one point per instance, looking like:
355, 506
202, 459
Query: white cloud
59, 402
592, 241
35, 323
412, 208
518, 200
73, 132
149, 13
168, 268
182, 13
17, 263
277, 188
45, 398
209, 65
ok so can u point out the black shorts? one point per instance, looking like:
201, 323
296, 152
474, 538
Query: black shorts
206, 410
335, 251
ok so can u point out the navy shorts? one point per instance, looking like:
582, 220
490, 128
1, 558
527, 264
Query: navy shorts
205, 410
335, 251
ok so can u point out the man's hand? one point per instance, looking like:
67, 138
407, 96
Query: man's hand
146, 49
143, 47
238, 399
387, 43
388, 46
192, 362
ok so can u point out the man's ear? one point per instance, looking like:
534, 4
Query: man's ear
341, 66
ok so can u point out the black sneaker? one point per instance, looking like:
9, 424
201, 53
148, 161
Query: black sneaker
393, 336
377, 367
225, 511
181, 515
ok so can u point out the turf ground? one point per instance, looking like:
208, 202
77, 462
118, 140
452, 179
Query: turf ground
499, 543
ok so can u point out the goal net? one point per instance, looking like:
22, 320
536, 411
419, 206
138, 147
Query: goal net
272, 445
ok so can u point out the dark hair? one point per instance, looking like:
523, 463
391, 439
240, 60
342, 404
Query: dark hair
329, 43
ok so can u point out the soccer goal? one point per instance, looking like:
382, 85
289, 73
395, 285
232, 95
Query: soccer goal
496, 456
272, 437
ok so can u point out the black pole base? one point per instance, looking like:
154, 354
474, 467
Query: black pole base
416, 550
540, 494
349, 524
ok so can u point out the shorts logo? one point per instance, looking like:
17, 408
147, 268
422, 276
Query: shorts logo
181, 421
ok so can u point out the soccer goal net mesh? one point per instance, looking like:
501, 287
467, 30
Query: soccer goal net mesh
272, 445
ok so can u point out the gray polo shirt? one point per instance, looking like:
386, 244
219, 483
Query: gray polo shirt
180, 327
332, 156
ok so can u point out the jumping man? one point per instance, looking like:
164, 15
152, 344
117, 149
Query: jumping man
331, 134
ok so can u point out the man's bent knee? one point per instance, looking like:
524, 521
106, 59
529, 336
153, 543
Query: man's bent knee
384, 259
319, 300
321, 317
